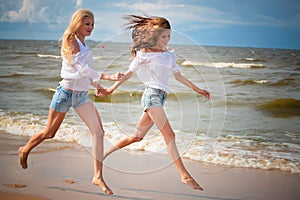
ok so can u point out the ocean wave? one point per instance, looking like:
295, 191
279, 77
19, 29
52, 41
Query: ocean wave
255, 59
17, 74
48, 56
284, 82
239, 151
99, 57
249, 82
52, 90
285, 107
117, 96
24, 124
279, 83
224, 64
59, 57
236, 151
231, 151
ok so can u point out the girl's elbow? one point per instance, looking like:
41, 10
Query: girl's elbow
177, 76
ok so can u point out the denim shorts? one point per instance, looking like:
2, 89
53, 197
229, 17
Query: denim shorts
153, 97
63, 99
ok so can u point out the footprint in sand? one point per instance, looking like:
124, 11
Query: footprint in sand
15, 185
69, 181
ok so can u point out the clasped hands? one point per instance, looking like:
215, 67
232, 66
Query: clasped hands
103, 92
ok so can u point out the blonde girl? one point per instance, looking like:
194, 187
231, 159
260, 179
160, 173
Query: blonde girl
77, 74
153, 62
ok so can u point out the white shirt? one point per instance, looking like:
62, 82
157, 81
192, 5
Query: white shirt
153, 68
79, 74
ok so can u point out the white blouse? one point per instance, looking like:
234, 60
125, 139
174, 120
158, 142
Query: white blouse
153, 68
79, 74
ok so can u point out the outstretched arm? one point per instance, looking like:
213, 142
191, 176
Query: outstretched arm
179, 77
112, 77
104, 92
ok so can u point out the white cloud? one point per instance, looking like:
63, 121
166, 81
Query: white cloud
189, 16
78, 3
159, 6
34, 11
31, 11
183, 15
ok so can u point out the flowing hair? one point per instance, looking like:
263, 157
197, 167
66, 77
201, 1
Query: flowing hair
145, 31
69, 34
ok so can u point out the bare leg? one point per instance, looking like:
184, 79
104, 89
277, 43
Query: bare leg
54, 121
159, 118
143, 127
89, 114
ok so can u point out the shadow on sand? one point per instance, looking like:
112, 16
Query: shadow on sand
179, 194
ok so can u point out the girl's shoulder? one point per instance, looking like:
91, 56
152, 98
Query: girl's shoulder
169, 51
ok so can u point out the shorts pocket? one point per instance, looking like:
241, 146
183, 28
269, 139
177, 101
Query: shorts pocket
62, 97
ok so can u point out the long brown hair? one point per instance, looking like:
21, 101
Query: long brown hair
75, 23
145, 31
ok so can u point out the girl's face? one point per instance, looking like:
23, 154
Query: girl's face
163, 39
86, 27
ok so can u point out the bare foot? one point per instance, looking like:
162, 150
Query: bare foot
23, 158
15, 185
192, 183
102, 185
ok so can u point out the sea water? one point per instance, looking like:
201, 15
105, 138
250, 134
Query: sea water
252, 119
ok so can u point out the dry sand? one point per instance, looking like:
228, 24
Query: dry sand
64, 171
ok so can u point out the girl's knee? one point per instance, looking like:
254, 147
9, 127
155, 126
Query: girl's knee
99, 133
49, 132
48, 135
169, 137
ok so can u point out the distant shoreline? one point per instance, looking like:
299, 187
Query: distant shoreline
98, 41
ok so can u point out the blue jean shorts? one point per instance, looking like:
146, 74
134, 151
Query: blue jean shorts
153, 97
63, 99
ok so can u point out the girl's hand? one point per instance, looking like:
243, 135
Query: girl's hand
205, 93
102, 92
117, 77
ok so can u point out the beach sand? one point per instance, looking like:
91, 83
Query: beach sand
64, 171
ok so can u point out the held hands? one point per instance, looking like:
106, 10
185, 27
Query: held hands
102, 92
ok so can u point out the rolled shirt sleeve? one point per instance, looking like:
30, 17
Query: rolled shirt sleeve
80, 67
79, 73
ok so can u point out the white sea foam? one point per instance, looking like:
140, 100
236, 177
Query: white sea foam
59, 57
223, 64
261, 81
230, 150
48, 56
233, 151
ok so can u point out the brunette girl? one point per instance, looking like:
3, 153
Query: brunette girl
153, 62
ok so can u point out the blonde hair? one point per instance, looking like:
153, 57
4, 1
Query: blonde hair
75, 23
145, 31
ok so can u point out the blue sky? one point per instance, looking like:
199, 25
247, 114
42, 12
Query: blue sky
245, 23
